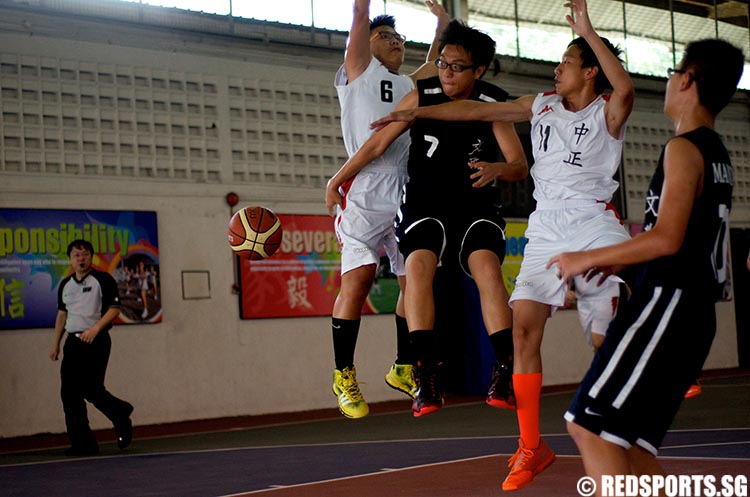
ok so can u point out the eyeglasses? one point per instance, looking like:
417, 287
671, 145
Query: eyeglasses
389, 35
441, 64
672, 71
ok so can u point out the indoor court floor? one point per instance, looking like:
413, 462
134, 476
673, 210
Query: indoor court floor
460, 451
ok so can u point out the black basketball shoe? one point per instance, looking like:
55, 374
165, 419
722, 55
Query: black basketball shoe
500, 393
430, 392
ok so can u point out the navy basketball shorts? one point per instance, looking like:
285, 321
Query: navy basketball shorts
654, 350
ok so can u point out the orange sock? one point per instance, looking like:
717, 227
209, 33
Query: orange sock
528, 390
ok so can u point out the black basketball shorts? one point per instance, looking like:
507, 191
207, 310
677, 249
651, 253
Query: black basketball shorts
654, 350
461, 236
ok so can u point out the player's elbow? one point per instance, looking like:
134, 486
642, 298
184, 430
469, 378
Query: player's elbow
668, 245
520, 171
626, 92
523, 170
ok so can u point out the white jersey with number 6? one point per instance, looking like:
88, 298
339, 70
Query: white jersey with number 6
372, 95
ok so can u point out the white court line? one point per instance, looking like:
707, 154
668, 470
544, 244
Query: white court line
358, 442
265, 447
331, 480
715, 444
390, 470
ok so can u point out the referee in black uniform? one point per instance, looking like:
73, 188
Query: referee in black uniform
87, 304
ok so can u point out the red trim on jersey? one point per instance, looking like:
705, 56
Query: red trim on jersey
607, 97
609, 206
345, 187
548, 93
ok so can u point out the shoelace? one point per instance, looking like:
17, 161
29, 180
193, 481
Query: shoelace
433, 392
350, 387
512, 459
523, 456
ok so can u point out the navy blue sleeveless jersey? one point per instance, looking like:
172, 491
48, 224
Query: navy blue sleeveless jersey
439, 175
701, 263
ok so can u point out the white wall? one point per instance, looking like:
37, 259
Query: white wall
202, 361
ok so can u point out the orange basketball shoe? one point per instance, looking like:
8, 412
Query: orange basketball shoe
527, 463
695, 390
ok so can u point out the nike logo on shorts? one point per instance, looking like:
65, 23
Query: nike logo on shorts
592, 413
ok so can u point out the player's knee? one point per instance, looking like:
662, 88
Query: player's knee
420, 267
484, 265
358, 278
525, 337
597, 340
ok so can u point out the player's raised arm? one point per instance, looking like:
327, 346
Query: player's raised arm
620, 104
373, 148
428, 69
464, 110
358, 54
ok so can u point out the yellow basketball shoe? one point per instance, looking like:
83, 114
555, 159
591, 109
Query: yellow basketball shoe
401, 377
351, 402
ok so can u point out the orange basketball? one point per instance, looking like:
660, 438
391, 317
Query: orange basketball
254, 232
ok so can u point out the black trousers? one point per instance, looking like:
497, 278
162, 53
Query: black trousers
82, 376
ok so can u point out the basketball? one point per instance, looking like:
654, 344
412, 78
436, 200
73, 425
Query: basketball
254, 232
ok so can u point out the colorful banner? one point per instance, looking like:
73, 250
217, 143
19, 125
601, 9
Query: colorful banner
515, 243
33, 261
304, 276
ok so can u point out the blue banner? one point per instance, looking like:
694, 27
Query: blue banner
33, 261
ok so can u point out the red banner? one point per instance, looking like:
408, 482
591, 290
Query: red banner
304, 276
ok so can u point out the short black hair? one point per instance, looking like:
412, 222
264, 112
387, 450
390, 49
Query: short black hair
80, 244
717, 68
588, 56
383, 20
478, 44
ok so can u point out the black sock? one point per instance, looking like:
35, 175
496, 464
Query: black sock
424, 347
345, 332
502, 344
403, 343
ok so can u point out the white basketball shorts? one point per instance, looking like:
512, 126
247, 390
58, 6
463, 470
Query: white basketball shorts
364, 226
569, 226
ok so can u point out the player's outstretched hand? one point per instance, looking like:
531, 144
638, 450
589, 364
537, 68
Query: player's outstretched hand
579, 20
571, 264
406, 115
486, 172
333, 198
438, 11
